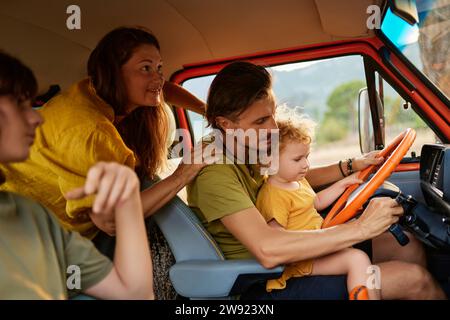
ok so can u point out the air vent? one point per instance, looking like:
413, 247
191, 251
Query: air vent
436, 171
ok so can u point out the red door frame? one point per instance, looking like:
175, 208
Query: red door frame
436, 110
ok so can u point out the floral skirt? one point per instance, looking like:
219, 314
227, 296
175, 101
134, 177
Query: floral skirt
162, 259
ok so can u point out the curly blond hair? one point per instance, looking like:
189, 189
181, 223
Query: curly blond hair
294, 126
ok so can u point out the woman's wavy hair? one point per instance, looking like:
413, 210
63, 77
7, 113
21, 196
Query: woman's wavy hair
144, 130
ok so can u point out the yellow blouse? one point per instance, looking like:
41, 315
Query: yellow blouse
77, 133
293, 210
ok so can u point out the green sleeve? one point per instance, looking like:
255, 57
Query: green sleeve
81, 252
75, 250
218, 192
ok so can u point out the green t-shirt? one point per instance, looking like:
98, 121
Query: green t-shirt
36, 253
221, 190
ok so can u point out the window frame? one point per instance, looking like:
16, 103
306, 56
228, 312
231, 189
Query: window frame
368, 48
399, 55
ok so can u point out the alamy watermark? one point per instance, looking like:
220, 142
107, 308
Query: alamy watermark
251, 146
374, 20
73, 21
74, 279
374, 277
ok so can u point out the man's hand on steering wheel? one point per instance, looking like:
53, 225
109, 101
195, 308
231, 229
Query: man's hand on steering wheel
366, 160
379, 215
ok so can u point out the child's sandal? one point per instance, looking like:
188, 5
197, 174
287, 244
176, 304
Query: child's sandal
359, 293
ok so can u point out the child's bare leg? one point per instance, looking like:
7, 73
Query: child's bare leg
352, 262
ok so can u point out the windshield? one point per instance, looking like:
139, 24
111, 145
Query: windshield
426, 44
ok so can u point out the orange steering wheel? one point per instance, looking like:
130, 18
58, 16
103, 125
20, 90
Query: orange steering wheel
342, 210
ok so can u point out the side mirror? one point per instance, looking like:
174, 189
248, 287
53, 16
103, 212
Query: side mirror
405, 9
365, 121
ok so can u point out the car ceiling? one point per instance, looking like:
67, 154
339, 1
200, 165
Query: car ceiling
189, 31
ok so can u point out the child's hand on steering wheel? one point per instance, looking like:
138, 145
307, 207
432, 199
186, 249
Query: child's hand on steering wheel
351, 180
366, 160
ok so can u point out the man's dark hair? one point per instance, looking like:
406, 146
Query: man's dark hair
16, 79
236, 86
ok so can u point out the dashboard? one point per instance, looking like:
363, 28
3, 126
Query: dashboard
435, 176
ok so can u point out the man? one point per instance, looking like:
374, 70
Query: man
224, 195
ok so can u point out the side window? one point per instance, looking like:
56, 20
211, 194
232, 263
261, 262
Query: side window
198, 87
326, 90
399, 115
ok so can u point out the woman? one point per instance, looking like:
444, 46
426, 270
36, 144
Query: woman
116, 114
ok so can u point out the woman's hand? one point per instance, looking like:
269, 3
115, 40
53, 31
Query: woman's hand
198, 158
113, 184
350, 180
366, 160
185, 173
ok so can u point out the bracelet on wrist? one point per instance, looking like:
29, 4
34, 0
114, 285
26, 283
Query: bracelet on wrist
349, 166
340, 168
